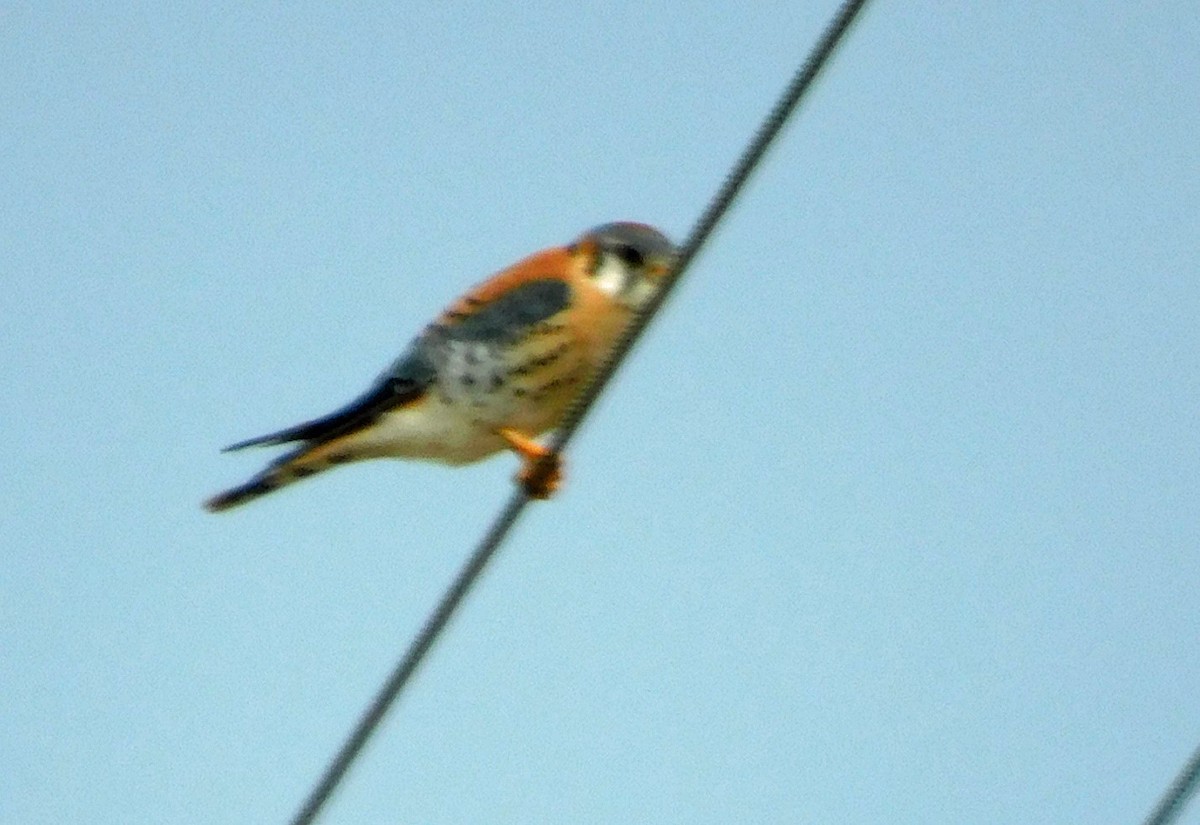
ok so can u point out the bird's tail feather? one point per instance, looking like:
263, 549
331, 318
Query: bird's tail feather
234, 496
295, 466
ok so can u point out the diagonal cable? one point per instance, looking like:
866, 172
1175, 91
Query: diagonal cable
1176, 796
717, 207
437, 620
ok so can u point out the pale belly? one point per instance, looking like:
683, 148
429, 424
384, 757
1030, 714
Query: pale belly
478, 391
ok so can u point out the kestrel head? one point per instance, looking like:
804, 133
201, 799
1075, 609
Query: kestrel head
626, 261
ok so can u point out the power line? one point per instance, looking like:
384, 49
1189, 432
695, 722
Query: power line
399, 677
717, 207
730, 189
1176, 796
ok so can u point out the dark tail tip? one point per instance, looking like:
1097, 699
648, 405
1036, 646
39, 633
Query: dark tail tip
236, 496
260, 441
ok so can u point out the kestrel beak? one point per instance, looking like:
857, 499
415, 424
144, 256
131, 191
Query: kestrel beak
659, 268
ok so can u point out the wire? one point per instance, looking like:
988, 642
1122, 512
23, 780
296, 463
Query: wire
412, 658
716, 210
575, 415
1172, 802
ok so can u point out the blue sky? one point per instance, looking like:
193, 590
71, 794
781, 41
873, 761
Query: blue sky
892, 517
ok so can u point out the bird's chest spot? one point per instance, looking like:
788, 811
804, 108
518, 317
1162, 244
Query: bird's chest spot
523, 384
472, 373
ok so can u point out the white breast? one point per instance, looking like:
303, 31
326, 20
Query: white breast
434, 430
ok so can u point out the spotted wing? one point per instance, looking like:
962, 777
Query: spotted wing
405, 382
479, 317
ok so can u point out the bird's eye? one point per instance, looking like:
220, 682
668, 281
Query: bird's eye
630, 255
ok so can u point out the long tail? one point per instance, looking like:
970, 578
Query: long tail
295, 466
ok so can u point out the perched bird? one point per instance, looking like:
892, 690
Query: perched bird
495, 370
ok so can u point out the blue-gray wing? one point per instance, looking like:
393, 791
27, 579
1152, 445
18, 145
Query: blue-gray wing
405, 382
498, 321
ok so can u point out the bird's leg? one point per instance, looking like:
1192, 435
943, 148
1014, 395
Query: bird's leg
541, 471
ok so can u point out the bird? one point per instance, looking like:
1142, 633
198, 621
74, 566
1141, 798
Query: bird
495, 370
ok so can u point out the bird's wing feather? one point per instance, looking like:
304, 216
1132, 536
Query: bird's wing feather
482, 316
404, 382
501, 309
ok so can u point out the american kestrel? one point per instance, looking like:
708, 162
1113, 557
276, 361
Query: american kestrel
495, 370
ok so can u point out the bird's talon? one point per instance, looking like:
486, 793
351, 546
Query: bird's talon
541, 478
541, 471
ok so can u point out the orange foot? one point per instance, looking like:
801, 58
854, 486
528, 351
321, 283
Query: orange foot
541, 471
